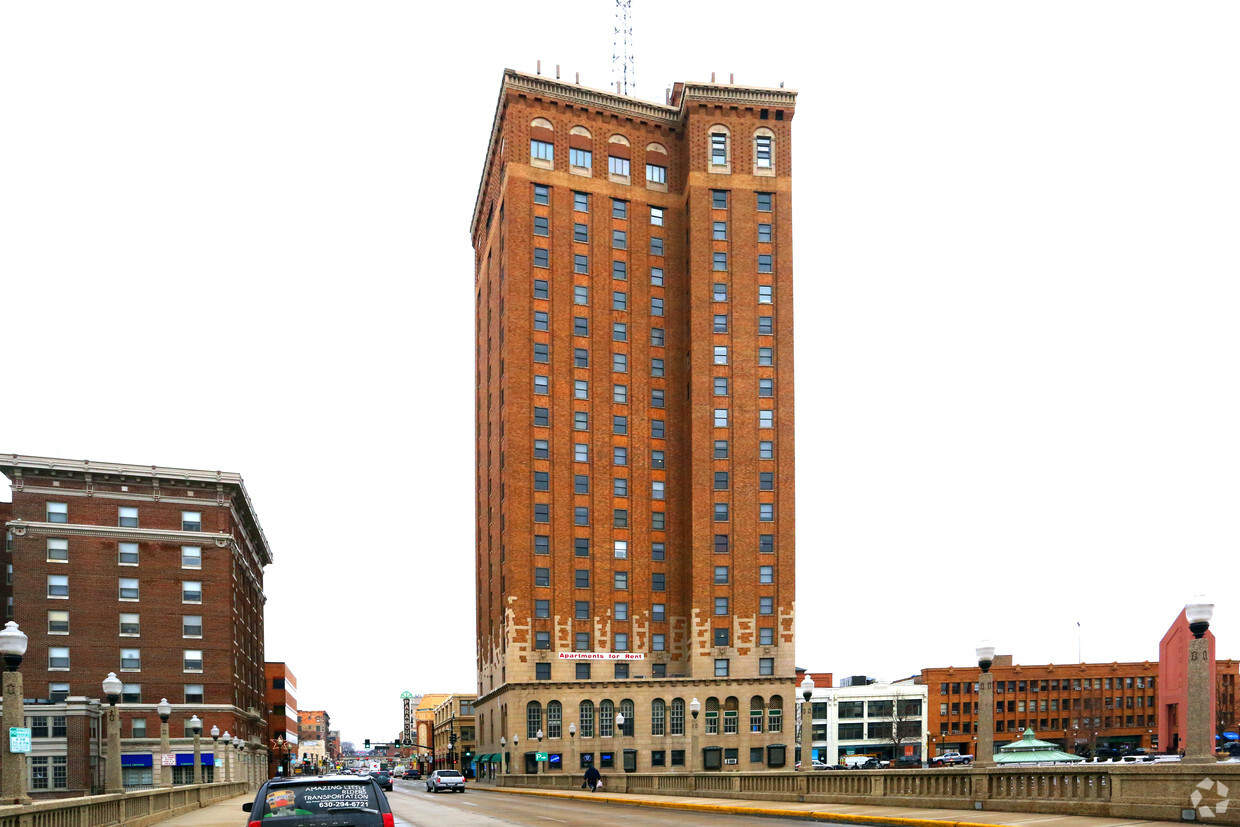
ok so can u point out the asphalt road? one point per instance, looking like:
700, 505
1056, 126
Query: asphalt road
413, 806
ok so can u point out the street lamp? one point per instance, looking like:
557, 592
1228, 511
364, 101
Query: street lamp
986, 711
227, 757
195, 726
1199, 740
215, 754
112, 688
572, 748
165, 747
503, 756
539, 735
807, 758
13, 643
515, 740
695, 706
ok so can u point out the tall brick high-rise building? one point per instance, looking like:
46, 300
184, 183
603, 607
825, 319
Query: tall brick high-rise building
150, 572
634, 419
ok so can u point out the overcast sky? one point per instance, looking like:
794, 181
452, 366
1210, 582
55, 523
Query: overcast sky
234, 235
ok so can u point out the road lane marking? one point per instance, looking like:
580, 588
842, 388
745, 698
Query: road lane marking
549, 818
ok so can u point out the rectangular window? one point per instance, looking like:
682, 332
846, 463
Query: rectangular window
542, 543
619, 208
619, 332
656, 216
620, 549
657, 521
128, 588
57, 512
656, 276
721, 480
621, 611
721, 512
766, 636
619, 270
540, 320
542, 350
764, 202
191, 521
762, 151
583, 671
656, 397
719, 199
719, 292
622, 671
765, 294
764, 233
656, 246
131, 660
620, 580
131, 625
656, 367
581, 232
579, 157
194, 693
618, 166
542, 257
764, 263
721, 449
721, 544
127, 554
766, 450
542, 640
542, 671
581, 484
542, 417
658, 643
720, 230
581, 264
721, 575
656, 306
620, 487
721, 386
766, 512
656, 174
58, 658
581, 202
542, 225
720, 261
766, 666
193, 660
581, 515
57, 550
658, 551
766, 605
58, 623
191, 591
127, 517
719, 148
658, 611
541, 150
191, 626
657, 459
656, 428
721, 606
542, 481
581, 546
619, 241
721, 323
766, 419
581, 609
656, 490
581, 420
541, 385
766, 388
721, 670
619, 300
542, 194
542, 576
191, 557
658, 582
766, 356
619, 363
620, 394
721, 354
619, 456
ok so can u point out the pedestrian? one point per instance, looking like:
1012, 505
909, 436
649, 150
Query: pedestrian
594, 778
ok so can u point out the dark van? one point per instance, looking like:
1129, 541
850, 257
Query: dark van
320, 801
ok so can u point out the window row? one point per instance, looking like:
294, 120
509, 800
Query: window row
130, 624
1053, 685
620, 454
581, 203
719, 324
721, 150
658, 551
127, 554
127, 516
131, 693
127, 587
608, 720
130, 659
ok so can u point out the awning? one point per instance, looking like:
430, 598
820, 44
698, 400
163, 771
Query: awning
138, 759
184, 760
1231, 736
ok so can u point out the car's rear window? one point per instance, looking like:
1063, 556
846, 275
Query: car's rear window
448, 774
300, 801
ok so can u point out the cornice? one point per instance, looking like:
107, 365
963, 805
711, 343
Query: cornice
189, 538
587, 688
738, 95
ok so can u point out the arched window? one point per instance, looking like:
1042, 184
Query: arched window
730, 712
711, 714
542, 143
585, 717
580, 149
678, 716
757, 708
656, 166
533, 719
775, 714
629, 712
658, 717
720, 147
619, 154
606, 719
763, 151
555, 716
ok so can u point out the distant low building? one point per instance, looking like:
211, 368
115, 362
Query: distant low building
882, 720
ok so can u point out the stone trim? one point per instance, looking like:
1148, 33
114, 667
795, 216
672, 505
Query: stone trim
189, 538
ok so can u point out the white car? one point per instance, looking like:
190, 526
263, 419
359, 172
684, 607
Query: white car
451, 780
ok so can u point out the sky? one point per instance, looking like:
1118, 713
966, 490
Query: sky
235, 235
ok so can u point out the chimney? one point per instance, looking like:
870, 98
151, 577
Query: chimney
731, 78
578, 78
557, 71
538, 65
712, 77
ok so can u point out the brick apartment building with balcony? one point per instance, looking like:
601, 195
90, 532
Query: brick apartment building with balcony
1080, 706
150, 572
634, 422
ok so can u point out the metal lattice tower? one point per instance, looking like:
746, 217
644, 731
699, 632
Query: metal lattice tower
623, 72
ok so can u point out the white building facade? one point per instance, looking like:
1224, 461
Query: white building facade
883, 720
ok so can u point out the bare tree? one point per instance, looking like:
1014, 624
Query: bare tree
906, 723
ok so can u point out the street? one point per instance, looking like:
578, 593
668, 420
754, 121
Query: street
413, 805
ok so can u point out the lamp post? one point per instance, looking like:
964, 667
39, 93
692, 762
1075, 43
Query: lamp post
695, 706
503, 755
13, 768
807, 758
986, 706
619, 732
515, 740
227, 758
1199, 737
195, 726
572, 747
112, 687
215, 754
165, 746
539, 736
236, 745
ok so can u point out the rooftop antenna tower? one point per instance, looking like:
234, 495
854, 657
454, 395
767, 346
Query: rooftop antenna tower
623, 73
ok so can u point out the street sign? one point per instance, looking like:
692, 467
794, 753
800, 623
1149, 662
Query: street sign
540, 756
19, 739
168, 759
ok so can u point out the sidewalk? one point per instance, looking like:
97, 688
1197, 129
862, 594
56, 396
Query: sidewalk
852, 813
225, 813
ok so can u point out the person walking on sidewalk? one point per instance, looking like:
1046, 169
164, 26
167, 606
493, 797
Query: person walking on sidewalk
593, 778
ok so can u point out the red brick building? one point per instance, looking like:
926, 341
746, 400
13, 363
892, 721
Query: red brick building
634, 420
153, 573
283, 719
1173, 688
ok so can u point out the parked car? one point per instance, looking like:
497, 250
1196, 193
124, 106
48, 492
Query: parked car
384, 779
818, 765
451, 780
412, 774
950, 758
905, 762
303, 802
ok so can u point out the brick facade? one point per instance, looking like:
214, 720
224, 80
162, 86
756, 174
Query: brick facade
597, 308
75, 520
280, 691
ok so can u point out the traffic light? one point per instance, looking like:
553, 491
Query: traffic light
367, 743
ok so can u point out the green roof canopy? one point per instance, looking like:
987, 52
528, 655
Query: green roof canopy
1029, 750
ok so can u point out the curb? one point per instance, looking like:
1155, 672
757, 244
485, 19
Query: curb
749, 811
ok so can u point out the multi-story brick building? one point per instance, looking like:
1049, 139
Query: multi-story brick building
153, 573
454, 715
313, 725
282, 715
634, 419
1080, 706
424, 717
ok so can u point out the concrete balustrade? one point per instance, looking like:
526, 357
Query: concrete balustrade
1139, 791
132, 809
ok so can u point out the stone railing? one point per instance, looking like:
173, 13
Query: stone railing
1161, 792
131, 809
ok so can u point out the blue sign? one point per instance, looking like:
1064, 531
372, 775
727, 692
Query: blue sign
19, 739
